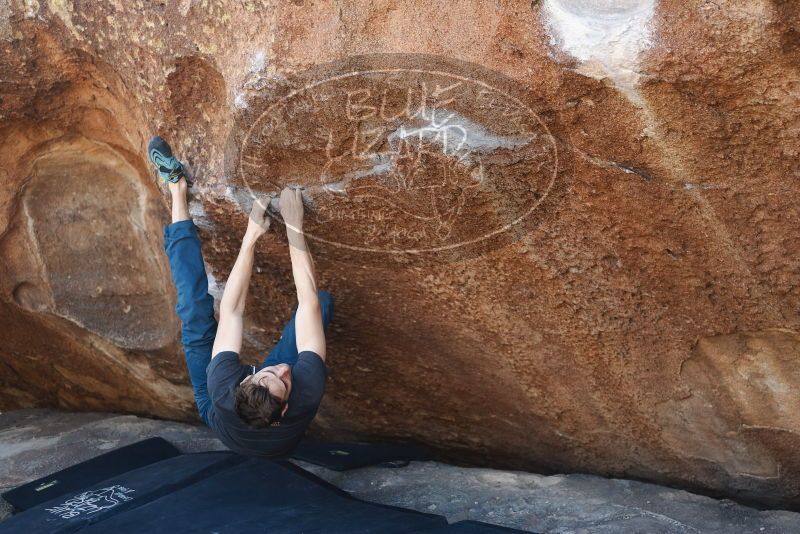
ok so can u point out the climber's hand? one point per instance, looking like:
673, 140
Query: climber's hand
291, 206
258, 222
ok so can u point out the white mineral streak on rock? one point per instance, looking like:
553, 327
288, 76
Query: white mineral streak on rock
184, 7
196, 209
258, 61
255, 65
239, 196
198, 213
606, 36
31, 8
63, 9
5, 19
258, 76
215, 289
239, 100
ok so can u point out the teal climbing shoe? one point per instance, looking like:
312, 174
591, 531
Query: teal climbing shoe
169, 168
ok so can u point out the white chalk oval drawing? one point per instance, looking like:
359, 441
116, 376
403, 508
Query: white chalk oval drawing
403, 160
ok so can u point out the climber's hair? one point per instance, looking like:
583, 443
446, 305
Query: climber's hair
257, 406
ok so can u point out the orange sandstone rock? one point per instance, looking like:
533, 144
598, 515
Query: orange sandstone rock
562, 234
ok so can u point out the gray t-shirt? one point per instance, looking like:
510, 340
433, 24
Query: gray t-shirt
225, 372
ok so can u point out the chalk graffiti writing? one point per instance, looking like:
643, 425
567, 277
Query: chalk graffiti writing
404, 160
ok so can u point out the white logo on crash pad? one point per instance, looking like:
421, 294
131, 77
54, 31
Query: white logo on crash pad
90, 502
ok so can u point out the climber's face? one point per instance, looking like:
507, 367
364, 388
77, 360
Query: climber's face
276, 378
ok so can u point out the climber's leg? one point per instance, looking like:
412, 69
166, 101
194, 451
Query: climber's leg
195, 306
285, 351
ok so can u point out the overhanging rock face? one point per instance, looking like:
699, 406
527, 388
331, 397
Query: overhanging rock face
561, 236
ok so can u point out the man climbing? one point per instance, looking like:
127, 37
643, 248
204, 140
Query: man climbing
255, 411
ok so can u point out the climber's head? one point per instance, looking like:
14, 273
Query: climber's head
263, 398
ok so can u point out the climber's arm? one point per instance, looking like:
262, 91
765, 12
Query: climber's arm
309, 331
231, 307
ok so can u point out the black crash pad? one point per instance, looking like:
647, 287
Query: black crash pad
225, 493
96, 503
333, 455
89, 472
216, 492
263, 496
